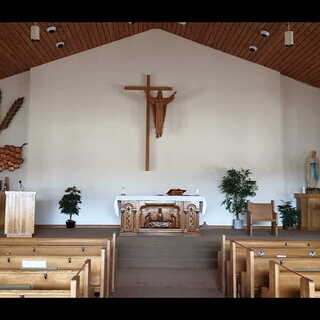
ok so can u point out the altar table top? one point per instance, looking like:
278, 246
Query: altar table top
160, 198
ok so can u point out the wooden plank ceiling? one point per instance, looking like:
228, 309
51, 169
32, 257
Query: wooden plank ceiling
301, 62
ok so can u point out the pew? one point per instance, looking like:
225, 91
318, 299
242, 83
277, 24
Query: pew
243, 259
98, 274
46, 283
225, 267
287, 282
256, 275
307, 289
104, 274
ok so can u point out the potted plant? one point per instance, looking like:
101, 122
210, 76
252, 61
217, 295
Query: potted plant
289, 215
237, 186
69, 204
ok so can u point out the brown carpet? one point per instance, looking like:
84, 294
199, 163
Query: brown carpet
173, 266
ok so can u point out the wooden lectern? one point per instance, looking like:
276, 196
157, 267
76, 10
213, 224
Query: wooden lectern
19, 213
308, 205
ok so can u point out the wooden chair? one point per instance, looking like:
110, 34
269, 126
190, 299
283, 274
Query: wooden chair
261, 212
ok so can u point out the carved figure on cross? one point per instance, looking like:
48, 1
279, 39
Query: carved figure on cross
159, 106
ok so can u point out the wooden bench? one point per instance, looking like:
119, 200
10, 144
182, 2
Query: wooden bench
224, 254
285, 282
99, 266
103, 274
46, 283
256, 275
241, 262
231, 261
307, 289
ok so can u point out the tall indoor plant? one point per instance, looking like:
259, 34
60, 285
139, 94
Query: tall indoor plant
289, 215
237, 187
69, 204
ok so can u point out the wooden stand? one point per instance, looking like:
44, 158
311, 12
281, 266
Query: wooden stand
2, 208
308, 205
19, 213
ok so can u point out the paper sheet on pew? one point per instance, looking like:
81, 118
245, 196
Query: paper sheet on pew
36, 264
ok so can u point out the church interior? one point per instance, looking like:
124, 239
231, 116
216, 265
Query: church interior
159, 160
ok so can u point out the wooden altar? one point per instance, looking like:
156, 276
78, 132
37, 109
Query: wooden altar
159, 214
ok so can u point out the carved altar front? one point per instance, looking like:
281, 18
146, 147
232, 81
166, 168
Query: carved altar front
159, 214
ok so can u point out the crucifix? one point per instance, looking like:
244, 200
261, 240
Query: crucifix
159, 105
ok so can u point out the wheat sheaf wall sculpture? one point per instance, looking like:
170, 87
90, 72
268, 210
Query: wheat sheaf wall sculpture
11, 112
10, 157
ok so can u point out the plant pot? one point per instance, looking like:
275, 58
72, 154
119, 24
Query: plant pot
237, 224
70, 224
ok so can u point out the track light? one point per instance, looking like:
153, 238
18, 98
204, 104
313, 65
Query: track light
35, 33
288, 37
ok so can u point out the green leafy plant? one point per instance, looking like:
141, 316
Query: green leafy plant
237, 186
69, 204
288, 214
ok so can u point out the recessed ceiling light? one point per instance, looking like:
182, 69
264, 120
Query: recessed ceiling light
265, 33
60, 44
51, 29
253, 48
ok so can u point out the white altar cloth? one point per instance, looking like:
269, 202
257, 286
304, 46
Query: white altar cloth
164, 198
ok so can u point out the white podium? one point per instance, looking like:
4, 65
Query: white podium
19, 213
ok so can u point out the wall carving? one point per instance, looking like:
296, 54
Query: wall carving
11, 157
17, 104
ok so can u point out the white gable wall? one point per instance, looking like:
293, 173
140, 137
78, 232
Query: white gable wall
85, 130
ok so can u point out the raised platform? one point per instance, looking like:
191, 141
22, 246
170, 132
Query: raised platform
159, 232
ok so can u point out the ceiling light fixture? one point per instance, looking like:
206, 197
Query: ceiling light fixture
60, 44
253, 48
51, 29
265, 33
35, 33
182, 23
288, 37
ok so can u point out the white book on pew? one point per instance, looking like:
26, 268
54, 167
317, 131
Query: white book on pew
34, 264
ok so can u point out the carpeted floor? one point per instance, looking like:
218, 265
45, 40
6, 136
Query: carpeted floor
170, 266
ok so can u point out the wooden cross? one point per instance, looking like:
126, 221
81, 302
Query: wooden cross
147, 88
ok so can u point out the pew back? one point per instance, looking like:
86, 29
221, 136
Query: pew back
288, 283
228, 284
257, 272
47, 283
103, 277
